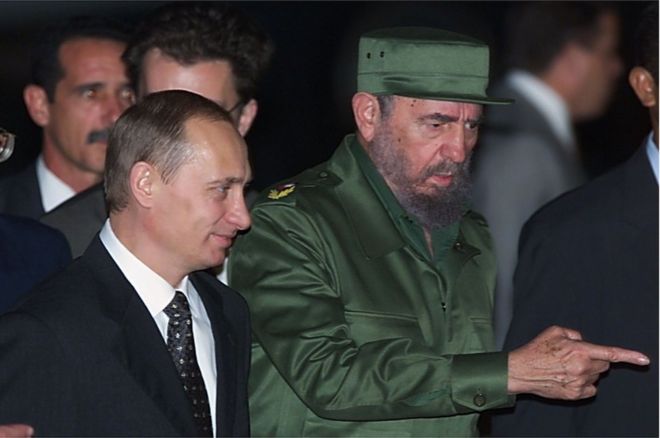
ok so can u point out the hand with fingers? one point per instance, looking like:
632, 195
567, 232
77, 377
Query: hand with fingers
558, 364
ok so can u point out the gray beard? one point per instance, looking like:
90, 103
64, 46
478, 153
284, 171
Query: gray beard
434, 209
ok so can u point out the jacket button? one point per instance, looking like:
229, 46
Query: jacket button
323, 174
458, 246
479, 400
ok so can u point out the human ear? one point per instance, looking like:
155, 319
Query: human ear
248, 113
143, 182
37, 104
644, 86
366, 112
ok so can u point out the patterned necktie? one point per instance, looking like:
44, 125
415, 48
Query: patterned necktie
181, 345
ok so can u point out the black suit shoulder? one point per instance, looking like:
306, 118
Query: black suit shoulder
29, 253
20, 194
627, 196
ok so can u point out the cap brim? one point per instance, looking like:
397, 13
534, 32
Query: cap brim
456, 98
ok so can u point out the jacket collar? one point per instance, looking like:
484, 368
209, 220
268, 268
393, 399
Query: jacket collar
376, 232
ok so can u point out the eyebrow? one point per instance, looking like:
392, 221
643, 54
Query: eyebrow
88, 85
229, 180
445, 118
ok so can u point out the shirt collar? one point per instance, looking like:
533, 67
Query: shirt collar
53, 190
652, 154
155, 292
551, 106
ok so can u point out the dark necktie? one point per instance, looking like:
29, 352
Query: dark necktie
181, 345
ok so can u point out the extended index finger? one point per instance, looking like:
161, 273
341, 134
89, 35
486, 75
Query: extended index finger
616, 354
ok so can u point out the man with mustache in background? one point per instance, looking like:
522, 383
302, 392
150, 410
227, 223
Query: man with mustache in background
77, 91
212, 49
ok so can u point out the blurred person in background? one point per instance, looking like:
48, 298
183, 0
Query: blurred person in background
564, 67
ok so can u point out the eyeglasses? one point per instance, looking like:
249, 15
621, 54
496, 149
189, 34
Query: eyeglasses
6, 144
238, 106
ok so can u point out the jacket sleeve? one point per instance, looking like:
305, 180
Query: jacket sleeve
283, 268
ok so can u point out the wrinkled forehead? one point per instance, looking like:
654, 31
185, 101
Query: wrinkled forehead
452, 108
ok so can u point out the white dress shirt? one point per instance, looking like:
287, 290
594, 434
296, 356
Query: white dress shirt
53, 190
652, 154
156, 293
551, 106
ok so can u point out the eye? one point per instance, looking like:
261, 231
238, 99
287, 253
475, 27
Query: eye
472, 125
89, 93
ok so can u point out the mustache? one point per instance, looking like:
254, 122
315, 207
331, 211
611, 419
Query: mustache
445, 167
100, 135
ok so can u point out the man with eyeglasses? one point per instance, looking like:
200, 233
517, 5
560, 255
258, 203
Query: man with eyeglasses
210, 49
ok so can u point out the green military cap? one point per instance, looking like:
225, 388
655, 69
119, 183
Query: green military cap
425, 63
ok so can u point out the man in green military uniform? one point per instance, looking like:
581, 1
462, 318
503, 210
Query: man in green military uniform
370, 281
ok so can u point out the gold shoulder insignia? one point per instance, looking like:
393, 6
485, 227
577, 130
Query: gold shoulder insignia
281, 191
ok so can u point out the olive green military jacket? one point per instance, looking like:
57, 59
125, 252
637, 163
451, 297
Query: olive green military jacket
355, 333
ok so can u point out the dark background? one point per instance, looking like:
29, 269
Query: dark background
304, 102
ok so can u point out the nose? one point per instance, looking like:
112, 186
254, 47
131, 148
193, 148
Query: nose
453, 146
240, 216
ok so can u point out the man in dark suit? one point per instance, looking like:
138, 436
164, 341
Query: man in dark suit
589, 260
564, 67
211, 49
130, 339
29, 251
78, 88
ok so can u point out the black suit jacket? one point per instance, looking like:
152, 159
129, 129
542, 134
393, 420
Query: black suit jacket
589, 261
29, 252
82, 356
20, 194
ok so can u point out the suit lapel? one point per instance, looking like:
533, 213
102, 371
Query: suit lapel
225, 357
138, 344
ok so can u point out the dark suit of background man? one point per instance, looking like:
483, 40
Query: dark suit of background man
564, 69
370, 281
590, 260
29, 251
89, 352
212, 49
78, 88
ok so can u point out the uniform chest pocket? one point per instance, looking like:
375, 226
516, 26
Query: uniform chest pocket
369, 326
